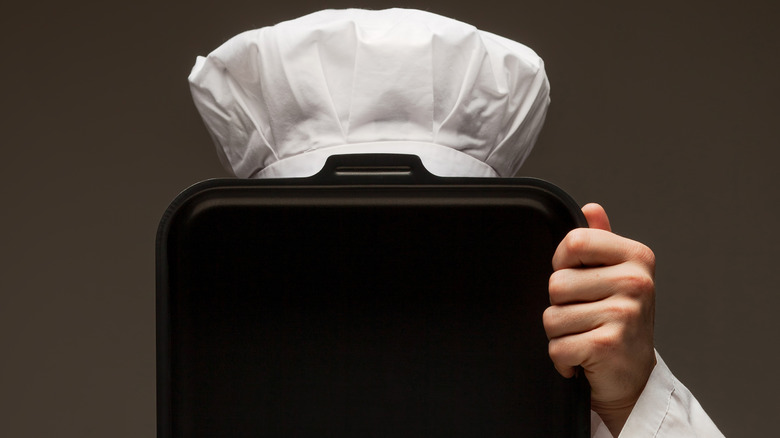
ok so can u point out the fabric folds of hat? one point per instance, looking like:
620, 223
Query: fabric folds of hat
389, 81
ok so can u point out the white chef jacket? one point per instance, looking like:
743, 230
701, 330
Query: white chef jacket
665, 409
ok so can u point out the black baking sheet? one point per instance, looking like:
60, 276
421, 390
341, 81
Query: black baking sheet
371, 300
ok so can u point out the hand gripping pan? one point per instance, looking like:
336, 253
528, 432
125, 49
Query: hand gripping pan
370, 300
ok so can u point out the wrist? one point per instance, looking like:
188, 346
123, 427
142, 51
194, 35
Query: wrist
613, 417
614, 413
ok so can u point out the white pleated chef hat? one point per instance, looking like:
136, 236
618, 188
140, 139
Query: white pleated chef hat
279, 100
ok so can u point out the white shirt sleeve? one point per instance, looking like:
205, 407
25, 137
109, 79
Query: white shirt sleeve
665, 409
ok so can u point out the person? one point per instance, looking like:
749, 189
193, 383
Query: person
279, 100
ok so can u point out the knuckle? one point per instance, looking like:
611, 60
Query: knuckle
645, 255
556, 286
556, 350
638, 284
577, 240
623, 310
605, 341
548, 318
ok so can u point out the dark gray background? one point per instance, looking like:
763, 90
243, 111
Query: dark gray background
663, 112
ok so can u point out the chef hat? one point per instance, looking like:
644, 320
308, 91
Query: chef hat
279, 100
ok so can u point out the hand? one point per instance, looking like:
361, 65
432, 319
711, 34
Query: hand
602, 298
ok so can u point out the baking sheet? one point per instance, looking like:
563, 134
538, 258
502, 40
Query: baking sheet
379, 302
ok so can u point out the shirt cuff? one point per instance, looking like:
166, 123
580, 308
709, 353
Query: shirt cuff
649, 410
653, 404
666, 408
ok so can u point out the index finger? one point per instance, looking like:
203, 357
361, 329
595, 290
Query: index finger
593, 247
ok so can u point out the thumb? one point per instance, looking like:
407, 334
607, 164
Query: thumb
596, 216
